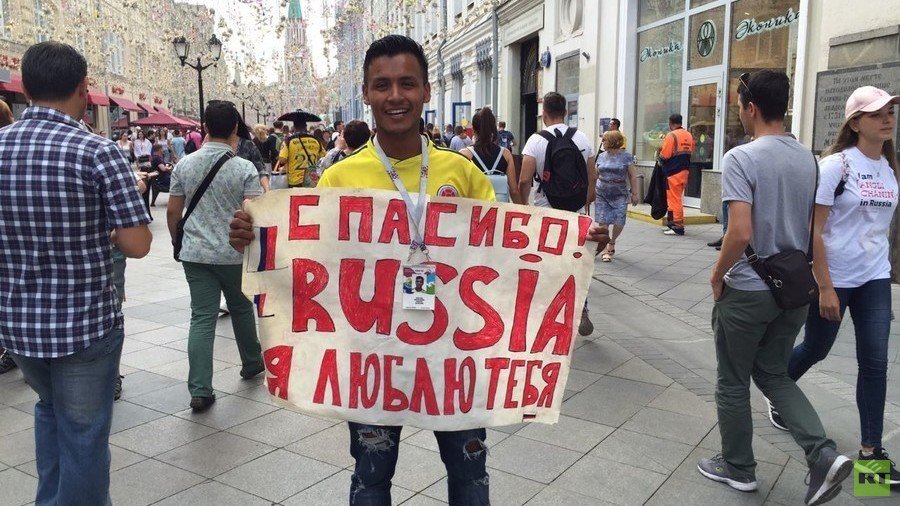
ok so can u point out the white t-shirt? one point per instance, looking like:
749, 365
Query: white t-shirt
856, 233
537, 147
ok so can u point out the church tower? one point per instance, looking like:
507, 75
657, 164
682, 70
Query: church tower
298, 72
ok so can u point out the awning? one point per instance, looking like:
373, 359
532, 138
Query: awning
14, 85
96, 97
160, 108
147, 108
126, 104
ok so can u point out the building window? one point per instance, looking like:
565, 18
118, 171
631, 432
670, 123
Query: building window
763, 37
654, 10
4, 18
660, 54
567, 76
705, 38
113, 49
80, 43
40, 22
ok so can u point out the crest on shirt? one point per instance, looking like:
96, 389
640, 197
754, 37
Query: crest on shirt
447, 191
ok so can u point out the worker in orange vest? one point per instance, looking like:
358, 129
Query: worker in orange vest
675, 159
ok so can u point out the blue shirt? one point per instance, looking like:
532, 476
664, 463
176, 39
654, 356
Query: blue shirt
62, 190
178, 147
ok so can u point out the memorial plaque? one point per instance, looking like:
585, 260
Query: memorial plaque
833, 87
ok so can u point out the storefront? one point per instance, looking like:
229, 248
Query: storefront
686, 58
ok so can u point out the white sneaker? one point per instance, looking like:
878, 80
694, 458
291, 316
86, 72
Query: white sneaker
223, 307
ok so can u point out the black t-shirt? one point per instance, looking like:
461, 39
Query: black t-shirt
488, 154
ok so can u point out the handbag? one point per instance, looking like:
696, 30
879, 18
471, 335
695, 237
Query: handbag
179, 228
788, 274
497, 178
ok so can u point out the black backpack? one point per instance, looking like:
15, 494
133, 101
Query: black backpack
565, 181
190, 146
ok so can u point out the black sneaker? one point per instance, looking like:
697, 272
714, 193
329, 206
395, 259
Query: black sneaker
252, 371
117, 391
586, 327
717, 469
199, 404
6, 362
825, 476
775, 418
878, 462
716, 244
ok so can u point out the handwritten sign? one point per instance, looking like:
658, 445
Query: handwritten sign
326, 275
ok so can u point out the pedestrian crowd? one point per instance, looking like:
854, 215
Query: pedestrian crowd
792, 218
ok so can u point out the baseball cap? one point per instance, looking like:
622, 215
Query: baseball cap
868, 99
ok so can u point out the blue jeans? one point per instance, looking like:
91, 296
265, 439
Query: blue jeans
870, 309
376, 447
72, 420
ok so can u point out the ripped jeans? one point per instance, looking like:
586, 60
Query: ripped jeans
376, 447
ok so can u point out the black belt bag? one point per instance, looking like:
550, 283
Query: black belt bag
789, 277
788, 274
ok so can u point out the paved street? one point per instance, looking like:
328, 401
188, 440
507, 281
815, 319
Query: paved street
637, 416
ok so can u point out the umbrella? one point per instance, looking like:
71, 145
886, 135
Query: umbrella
299, 116
162, 119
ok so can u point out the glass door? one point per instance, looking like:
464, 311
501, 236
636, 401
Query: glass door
702, 118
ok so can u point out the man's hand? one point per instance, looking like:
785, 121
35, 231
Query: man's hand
829, 305
599, 234
718, 286
241, 233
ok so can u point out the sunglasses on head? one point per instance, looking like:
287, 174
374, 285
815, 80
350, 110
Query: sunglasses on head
745, 79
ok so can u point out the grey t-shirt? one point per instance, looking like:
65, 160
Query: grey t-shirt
206, 231
777, 176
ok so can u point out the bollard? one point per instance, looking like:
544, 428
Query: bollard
640, 188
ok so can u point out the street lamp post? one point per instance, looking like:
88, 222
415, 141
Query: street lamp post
182, 47
244, 96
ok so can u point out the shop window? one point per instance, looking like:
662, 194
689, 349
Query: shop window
654, 10
660, 54
763, 37
705, 38
699, 3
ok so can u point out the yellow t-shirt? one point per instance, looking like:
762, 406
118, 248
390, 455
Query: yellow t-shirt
450, 174
297, 161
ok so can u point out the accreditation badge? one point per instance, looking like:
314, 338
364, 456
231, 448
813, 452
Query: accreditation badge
418, 286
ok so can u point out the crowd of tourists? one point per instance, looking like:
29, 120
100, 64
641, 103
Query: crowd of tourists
63, 281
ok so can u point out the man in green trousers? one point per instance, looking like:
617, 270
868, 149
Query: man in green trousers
211, 266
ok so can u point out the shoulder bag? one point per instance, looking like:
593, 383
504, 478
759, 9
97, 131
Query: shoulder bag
788, 274
179, 229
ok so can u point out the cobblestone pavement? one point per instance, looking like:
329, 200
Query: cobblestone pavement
637, 416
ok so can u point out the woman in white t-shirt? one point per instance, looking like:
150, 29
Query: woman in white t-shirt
855, 202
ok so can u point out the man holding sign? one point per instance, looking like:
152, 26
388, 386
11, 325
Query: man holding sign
397, 159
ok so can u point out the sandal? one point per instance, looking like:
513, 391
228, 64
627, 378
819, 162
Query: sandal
608, 254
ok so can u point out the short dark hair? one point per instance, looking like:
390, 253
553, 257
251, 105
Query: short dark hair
501, 124
338, 123
555, 104
459, 129
278, 124
676, 119
52, 70
356, 133
616, 121
429, 127
485, 124
156, 147
393, 45
220, 118
769, 90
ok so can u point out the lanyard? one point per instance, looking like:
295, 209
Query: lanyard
414, 214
